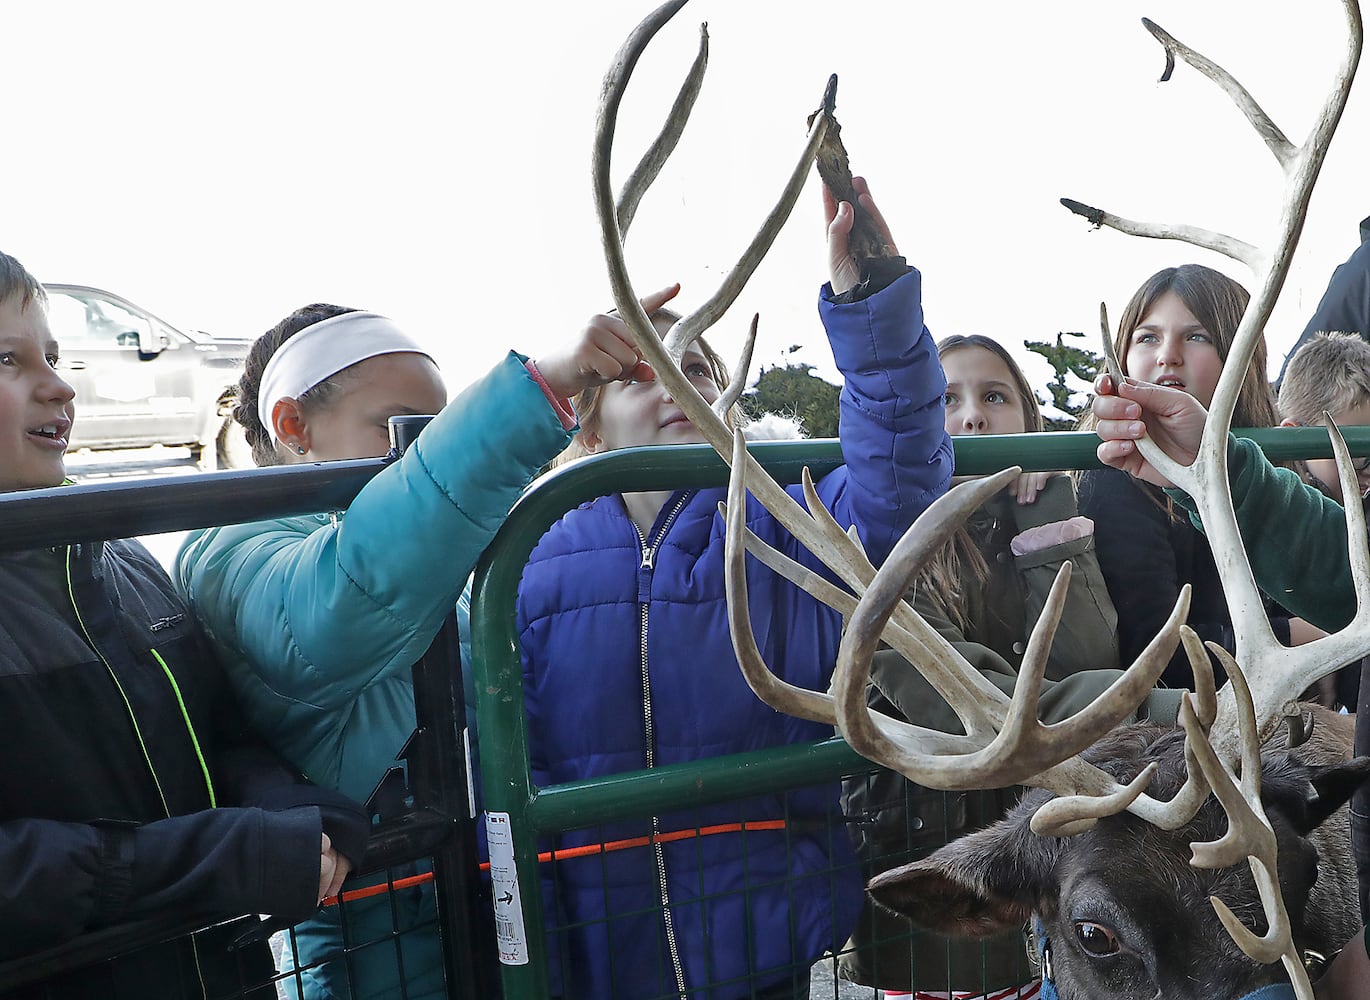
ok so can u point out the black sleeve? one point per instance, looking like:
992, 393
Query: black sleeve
64, 879
1345, 306
247, 772
1137, 557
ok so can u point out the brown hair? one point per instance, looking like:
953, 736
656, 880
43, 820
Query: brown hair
1217, 302
15, 280
261, 438
959, 563
587, 402
1329, 374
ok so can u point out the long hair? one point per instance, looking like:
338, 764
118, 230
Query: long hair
959, 565
1218, 303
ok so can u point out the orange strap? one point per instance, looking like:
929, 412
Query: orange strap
566, 853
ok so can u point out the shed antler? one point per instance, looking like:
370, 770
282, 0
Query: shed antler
1251, 706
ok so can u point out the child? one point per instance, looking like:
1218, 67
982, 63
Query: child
1330, 374
983, 592
131, 788
321, 617
628, 664
1176, 331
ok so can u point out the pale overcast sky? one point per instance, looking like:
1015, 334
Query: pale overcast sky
224, 164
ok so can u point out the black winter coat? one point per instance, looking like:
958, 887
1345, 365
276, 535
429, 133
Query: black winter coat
1147, 554
130, 786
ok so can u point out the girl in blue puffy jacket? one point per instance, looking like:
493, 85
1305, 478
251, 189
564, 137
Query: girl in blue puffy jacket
320, 617
628, 664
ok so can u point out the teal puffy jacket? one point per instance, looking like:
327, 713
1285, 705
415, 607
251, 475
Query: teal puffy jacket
320, 618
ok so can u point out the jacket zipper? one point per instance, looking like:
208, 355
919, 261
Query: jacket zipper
138, 732
645, 569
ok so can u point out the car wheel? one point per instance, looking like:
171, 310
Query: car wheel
231, 447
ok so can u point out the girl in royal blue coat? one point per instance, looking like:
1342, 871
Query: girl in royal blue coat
628, 664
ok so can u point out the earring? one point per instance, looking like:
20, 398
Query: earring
300, 448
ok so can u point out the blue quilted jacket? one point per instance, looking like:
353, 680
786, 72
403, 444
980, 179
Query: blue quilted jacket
628, 663
319, 620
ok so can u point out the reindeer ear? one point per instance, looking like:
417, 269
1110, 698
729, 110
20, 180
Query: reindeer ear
1334, 785
1306, 795
976, 886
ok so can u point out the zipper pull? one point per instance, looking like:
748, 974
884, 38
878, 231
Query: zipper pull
648, 557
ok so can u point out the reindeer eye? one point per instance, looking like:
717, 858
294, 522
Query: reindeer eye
1096, 939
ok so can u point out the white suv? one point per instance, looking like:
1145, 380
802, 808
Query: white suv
140, 381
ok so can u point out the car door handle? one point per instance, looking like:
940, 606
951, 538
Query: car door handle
75, 366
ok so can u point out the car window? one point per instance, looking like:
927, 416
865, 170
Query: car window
93, 323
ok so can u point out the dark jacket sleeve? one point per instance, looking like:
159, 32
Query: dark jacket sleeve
1345, 306
64, 879
1273, 503
247, 772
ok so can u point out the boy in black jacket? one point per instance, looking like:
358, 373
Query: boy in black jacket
130, 787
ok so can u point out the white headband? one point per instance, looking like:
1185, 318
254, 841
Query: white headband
324, 349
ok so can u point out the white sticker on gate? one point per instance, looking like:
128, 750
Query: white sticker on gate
509, 932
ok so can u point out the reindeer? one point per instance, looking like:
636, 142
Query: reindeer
1102, 800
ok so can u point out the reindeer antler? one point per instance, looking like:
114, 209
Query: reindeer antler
1246, 713
1003, 742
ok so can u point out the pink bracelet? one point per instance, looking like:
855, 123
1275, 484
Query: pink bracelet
560, 404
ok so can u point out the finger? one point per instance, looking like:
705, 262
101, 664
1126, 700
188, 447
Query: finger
1120, 430
1115, 408
641, 372
651, 303
1115, 453
1103, 384
340, 873
863, 195
841, 223
829, 206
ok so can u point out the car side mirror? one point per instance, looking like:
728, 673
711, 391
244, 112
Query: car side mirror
150, 342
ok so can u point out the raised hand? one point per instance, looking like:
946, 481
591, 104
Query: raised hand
1126, 412
842, 266
603, 352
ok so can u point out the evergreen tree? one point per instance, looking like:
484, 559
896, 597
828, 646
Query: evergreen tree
794, 391
1065, 360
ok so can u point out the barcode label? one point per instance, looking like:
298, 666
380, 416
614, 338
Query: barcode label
509, 931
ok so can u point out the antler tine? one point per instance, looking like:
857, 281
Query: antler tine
733, 391
1228, 246
1023, 749
1249, 833
1071, 814
1274, 690
1282, 148
664, 145
780, 695
690, 327
713, 427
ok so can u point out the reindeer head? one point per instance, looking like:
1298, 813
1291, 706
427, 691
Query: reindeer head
1096, 896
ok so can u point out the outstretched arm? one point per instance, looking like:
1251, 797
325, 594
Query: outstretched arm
898, 455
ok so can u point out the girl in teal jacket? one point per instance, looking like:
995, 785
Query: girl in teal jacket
320, 618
